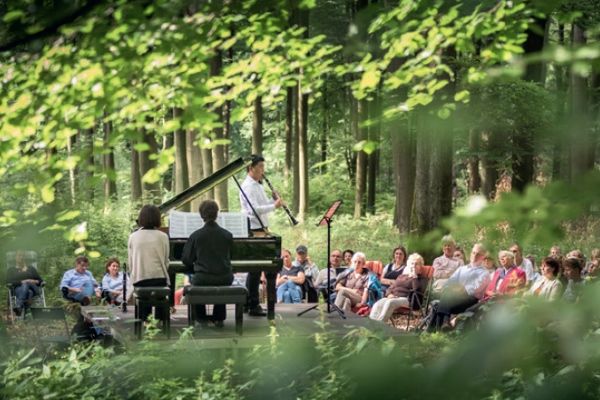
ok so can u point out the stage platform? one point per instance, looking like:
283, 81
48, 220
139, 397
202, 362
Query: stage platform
256, 330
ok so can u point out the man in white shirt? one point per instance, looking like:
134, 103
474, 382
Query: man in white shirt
253, 199
463, 289
523, 262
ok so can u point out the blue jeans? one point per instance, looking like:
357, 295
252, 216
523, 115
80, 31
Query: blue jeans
25, 292
289, 292
87, 290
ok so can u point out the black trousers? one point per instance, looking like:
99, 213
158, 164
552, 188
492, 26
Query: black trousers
219, 310
454, 303
145, 310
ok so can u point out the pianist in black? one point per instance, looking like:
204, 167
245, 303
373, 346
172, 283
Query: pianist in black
208, 252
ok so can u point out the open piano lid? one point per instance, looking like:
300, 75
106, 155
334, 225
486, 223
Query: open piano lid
204, 185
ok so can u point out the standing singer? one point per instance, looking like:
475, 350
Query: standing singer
263, 205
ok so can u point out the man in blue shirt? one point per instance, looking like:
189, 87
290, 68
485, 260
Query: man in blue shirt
465, 287
78, 283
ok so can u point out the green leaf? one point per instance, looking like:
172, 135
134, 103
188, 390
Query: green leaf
13, 16
67, 215
47, 193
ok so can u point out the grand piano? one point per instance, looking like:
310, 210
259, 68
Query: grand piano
248, 253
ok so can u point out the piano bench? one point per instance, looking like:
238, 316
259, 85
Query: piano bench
152, 296
217, 295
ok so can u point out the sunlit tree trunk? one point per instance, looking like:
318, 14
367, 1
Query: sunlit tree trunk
404, 151
218, 151
194, 164
289, 134
473, 162
150, 190
373, 158
181, 166
136, 179
302, 154
257, 127
361, 161
110, 184
523, 140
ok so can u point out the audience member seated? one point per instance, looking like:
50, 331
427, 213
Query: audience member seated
490, 265
335, 261
445, 265
548, 286
523, 262
572, 270
208, 252
311, 271
78, 284
289, 280
459, 255
112, 282
25, 282
187, 281
508, 279
394, 269
594, 262
352, 287
404, 287
347, 258
555, 252
463, 289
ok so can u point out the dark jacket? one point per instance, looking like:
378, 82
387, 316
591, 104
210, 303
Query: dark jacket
208, 250
15, 275
406, 286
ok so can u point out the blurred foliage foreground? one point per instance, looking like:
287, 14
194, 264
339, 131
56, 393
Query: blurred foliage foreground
523, 349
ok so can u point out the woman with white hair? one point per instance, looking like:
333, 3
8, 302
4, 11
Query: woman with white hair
353, 287
411, 283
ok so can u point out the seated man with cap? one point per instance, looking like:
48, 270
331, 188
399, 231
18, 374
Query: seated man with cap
311, 272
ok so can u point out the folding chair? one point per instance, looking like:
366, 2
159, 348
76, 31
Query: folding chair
30, 258
415, 304
50, 324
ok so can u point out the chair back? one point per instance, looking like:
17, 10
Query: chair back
376, 267
50, 324
30, 257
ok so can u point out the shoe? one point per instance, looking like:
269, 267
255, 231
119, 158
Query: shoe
257, 311
85, 301
17, 311
219, 324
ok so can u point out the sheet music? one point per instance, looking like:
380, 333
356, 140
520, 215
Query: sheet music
183, 224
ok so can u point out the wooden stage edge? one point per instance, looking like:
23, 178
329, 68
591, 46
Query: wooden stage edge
256, 330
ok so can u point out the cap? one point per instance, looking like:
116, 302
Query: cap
301, 249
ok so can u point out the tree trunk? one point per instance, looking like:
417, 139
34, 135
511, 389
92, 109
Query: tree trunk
86, 148
490, 164
325, 131
473, 162
302, 154
182, 180
136, 179
150, 190
523, 140
559, 155
373, 158
194, 165
168, 181
404, 149
257, 127
71, 143
110, 184
289, 134
361, 161
207, 170
581, 137
295, 154
218, 152
423, 155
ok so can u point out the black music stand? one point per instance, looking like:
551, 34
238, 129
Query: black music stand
326, 220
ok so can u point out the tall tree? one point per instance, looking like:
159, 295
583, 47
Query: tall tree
150, 190
361, 159
373, 157
136, 179
523, 140
218, 151
108, 161
181, 165
404, 151
194, 164
257, 126
289, 134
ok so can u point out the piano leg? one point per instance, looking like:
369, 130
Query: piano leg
271, 294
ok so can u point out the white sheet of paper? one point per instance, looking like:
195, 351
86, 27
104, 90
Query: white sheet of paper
182, 224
